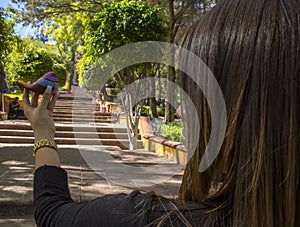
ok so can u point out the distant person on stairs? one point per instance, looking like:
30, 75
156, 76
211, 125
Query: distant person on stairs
14, 107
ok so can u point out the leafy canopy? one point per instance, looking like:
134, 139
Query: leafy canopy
66, 30
30, 60
118, 24
6, 36
124, 22
35, 12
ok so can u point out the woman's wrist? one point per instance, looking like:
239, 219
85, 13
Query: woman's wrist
39, 136
47, 156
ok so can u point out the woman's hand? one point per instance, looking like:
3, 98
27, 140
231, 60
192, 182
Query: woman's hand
40, 116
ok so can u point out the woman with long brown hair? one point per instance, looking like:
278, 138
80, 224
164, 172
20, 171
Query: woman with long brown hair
253, 50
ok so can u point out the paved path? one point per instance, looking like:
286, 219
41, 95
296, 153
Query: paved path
17, 168
17, 221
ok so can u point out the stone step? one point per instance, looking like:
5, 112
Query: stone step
77, 108
87, 96
76, 104
88, 101
68, 97
74, 110
82, 120
81, 115
89, 112
77, 99
79, 118
65, 127
122, 143
62, 115
66, 134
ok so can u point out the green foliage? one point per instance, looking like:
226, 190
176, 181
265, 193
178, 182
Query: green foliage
35, 44
118, 24
37, 11
172, 131
83, 65
19, 95
112, 91
66, 30
124, 22
29, 64
160, 110
32, 59
145, 110
6, 36
60, 70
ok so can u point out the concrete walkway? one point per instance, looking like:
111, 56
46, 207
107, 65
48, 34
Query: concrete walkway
17, 169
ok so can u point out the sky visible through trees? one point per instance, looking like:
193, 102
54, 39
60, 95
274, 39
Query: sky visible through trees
20, 30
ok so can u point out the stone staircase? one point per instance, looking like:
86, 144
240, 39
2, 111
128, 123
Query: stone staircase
77, 121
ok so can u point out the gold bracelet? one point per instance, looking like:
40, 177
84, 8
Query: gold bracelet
44, 143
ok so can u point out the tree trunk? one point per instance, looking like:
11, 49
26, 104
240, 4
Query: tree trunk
72, 71
153, 105
170, 110
152, 100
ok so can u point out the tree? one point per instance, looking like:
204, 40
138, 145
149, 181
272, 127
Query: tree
63, 22
181, 14
30, 60
6, 36
124, 22
35, 12
118, 24
68, 33
121, 23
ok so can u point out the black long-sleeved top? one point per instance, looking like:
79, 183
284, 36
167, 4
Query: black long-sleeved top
55, 207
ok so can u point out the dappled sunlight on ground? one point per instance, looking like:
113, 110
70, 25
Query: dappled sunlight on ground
17, 170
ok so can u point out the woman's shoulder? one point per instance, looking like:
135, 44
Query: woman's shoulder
177, 213
148, 208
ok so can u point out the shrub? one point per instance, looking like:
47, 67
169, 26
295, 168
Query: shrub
160, 110
172, 131
145, 110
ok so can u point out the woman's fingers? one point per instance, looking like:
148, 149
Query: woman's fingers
46, 98
51, 105
35, 99
46, 102
26, 101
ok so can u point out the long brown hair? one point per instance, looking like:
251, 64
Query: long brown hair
252, 48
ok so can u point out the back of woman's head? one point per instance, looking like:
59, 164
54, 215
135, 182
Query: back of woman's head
253, 49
